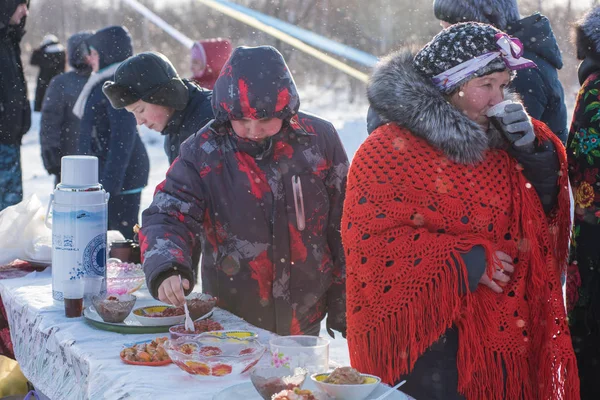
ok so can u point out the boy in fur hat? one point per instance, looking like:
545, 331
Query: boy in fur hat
583, 153
540, 89
148, 86
454, 229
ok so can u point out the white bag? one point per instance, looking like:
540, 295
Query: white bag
23, 233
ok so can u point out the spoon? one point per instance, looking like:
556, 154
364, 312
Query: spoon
189, 324
386, 394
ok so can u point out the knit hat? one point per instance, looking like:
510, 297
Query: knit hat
455, 45
587, 35
150, 77
499, 13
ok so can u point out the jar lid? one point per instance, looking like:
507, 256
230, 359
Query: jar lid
79, 171
120, 244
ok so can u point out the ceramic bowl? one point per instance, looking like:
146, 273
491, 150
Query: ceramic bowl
346, 392
212, 356
114, 308
150, 316
268, 381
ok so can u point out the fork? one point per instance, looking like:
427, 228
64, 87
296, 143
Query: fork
189, 324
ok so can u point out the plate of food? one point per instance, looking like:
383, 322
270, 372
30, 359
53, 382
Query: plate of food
37, 263
199, 305
159, 315
148, 352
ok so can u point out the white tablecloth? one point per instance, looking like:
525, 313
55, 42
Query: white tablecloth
69, 359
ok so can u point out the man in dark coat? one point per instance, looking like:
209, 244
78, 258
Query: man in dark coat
259, 193
15, 112
59, 127
110, 134
148, 86
540, 89
50, 58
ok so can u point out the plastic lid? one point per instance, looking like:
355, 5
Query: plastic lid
79, 171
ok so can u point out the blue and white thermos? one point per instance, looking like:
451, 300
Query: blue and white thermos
79, 223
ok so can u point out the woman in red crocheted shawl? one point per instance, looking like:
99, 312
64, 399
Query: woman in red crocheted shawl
456, 228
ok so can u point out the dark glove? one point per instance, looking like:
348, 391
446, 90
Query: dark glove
516, 126
331, 328
51, 158
54, 171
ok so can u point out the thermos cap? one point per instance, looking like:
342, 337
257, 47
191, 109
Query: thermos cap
79, 171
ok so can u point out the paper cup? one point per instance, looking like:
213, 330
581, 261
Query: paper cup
498, 109
92, 285
73, 288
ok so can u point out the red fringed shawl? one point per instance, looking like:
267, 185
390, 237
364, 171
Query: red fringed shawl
409, 214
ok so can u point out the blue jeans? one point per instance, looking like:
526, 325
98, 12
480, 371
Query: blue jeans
11, 181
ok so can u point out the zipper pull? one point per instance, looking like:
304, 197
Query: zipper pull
298, 202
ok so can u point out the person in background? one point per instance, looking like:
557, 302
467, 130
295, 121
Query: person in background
59, 127
258, 192
110, 134
208, 57
583, 153
50, 58
456, 230
540, 89
15, 111
161, 101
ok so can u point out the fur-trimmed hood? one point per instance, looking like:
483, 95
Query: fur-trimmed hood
398, 93
587, 35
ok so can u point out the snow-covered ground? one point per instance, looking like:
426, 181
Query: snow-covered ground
349, 119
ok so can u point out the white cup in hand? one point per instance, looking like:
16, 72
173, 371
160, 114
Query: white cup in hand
498, 109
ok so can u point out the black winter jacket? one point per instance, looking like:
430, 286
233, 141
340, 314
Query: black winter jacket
188, 121
50, 58
109, 134
112, 136
59, 127
15, 111
540, 89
